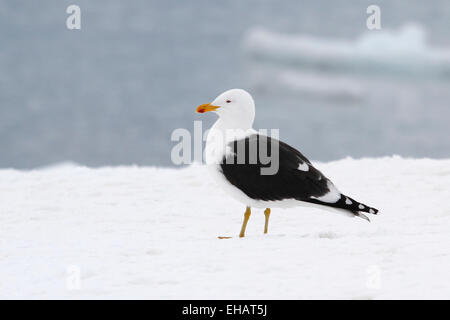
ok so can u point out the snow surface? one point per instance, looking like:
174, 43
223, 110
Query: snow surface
137, 232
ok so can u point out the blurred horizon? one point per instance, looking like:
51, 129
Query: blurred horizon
113, 92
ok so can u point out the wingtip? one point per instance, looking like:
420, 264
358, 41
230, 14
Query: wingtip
362, 216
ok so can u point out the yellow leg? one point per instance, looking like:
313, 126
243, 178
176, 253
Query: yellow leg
266, 224
244, 224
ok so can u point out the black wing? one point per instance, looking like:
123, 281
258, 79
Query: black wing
242, 168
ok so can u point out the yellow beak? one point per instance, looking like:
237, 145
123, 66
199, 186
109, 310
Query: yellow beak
206, 107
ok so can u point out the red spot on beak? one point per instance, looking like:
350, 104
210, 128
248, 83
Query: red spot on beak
206, 108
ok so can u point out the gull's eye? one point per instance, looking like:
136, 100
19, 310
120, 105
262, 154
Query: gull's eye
228, 101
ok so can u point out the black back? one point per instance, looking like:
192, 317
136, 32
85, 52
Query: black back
287, 183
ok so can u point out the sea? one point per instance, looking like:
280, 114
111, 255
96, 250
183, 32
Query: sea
113, 92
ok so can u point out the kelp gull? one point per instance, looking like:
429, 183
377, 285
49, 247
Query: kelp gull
233, 155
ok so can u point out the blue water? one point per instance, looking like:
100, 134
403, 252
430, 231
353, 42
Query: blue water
112, 92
